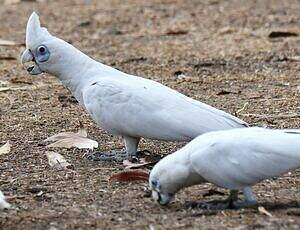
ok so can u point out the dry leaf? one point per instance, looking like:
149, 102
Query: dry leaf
58, 162
10, 2
3, 203
278, 34
64, 135
9, 43
7, 58
176, 32
78, 142
262, 210
70, 139
227, 30
4, 149
294, 58
225, 92
130, 165
184, 78
3, 89
128, 176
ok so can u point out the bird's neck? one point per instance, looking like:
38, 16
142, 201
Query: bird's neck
189, 176
76, 70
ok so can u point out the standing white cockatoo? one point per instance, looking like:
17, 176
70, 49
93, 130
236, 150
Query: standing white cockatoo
122, 104
234, 159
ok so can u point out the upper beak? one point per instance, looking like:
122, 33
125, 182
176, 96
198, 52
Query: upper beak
26, 57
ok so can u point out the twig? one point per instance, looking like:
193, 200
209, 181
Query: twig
242, 109
280, 116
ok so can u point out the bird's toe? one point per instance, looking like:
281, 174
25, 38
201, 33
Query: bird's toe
113, 156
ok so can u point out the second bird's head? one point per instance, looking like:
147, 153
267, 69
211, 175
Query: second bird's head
46, 52
167, 178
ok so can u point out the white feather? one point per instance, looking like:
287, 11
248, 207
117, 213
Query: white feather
236, 159
124, 104
233, 159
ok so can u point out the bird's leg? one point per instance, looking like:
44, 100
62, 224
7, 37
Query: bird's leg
131, 144
249, 200
217, 204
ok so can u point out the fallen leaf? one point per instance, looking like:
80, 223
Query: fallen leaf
278, 34
64, 135
254, 95
70, 139
227, 30
129, 176
3, 89
4, 149
10, 2
130, 165
58, 162
225, 92
3, 203
212, 192
262, 210
18, 80
184, 78
7, 58
176, 32
9, 43
294, 58
78, 142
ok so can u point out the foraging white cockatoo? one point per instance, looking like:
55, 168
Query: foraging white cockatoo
122, 104
3, 203
234, 159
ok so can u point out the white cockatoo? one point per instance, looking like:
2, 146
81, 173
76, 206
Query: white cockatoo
3, 203
122, 104
234, 159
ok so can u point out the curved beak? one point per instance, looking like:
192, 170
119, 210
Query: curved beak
27, 56
162, 199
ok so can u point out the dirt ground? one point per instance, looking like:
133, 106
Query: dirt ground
215, 51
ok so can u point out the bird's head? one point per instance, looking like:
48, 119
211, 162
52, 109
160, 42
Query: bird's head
42, 49
167, 178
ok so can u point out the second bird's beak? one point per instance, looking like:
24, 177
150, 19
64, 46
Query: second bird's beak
27, 56
162, 199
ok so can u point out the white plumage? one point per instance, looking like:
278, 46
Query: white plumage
235, 159
3, 203
122, 104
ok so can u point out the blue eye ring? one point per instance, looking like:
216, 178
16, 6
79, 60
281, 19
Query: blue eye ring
156, 184
42, 54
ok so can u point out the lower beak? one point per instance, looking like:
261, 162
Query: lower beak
28, 57
162, 199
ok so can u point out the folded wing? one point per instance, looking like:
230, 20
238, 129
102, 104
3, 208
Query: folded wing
139, 107
238, 158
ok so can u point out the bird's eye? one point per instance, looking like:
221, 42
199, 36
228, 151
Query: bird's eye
42, 49
42, 54
156, 184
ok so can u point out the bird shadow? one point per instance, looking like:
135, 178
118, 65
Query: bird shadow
280, 205
268, 205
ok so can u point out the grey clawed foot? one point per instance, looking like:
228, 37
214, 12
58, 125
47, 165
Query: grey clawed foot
243, 204
113, 156
116, 156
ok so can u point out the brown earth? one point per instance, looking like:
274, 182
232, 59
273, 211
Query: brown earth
215, 51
